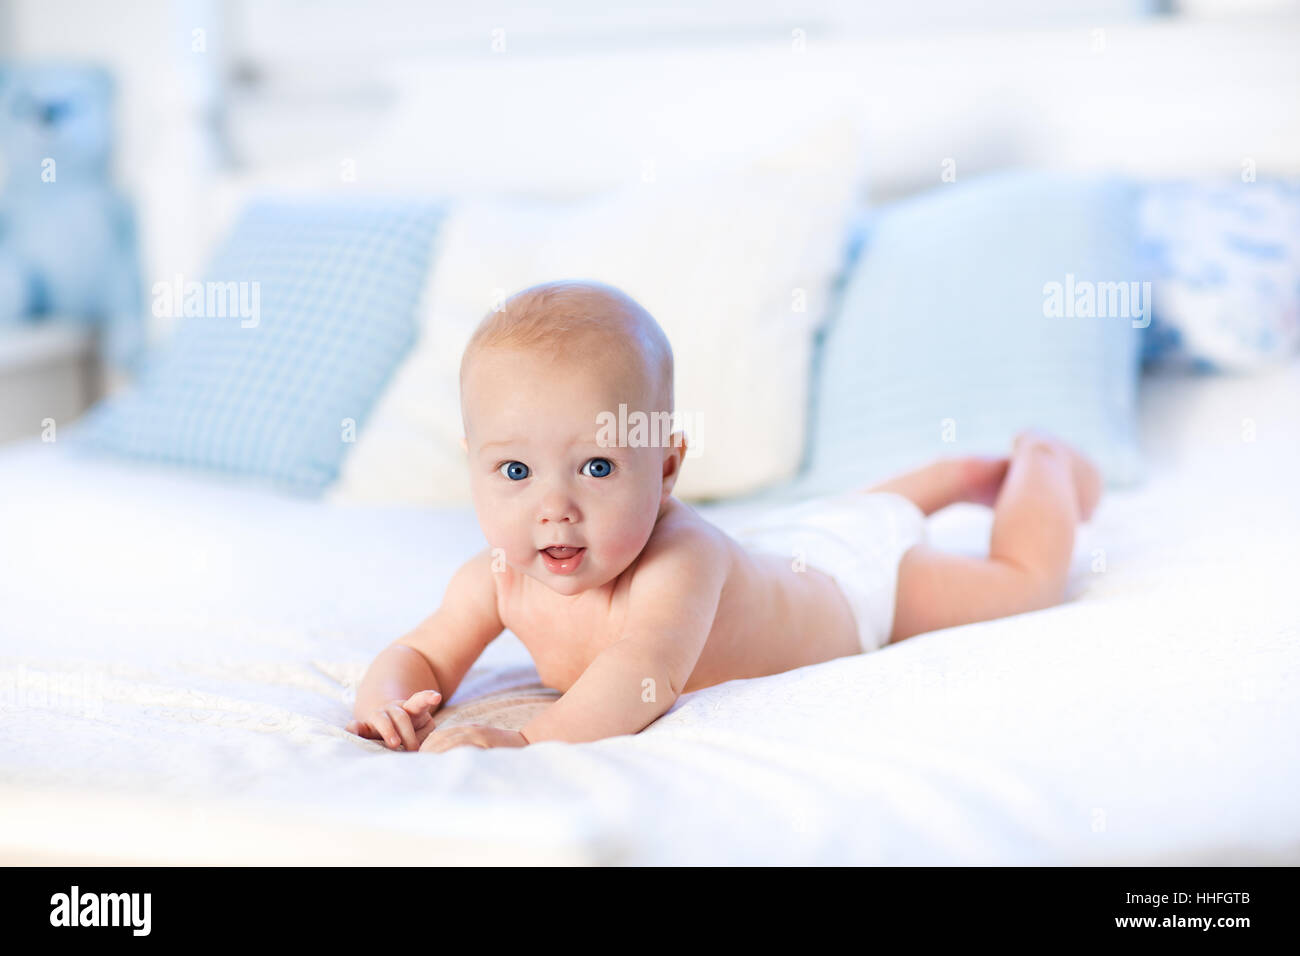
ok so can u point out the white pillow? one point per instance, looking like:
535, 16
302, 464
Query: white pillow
737, 269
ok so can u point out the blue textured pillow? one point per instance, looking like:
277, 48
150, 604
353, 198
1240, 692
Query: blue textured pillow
966, 321
1226, 262
261, 375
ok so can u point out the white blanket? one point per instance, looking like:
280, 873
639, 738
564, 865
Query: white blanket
177, 659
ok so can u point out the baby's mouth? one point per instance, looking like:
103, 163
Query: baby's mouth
562, 558
561, 553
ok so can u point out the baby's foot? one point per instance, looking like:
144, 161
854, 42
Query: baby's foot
1087, 479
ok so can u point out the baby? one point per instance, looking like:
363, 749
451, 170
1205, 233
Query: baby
627, 598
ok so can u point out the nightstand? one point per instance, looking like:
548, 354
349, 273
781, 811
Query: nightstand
48, 370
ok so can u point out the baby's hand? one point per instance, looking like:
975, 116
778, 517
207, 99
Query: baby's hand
400, 724
472, 735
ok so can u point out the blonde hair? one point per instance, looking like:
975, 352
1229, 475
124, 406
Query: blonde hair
567, 316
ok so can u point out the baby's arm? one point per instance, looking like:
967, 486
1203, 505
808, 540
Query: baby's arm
671, 606
435, 656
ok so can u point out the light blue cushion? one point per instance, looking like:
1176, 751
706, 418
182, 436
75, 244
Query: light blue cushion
942, 346
264, 392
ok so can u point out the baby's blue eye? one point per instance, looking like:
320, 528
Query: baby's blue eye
514, 470
598, 467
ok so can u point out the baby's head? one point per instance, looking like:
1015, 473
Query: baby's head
540, 381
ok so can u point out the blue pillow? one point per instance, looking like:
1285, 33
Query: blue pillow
966, 320
1225, 257
307, 309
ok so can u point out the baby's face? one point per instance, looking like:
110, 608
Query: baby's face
540, 478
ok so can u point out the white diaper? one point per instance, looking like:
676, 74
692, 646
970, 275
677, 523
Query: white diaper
857, 538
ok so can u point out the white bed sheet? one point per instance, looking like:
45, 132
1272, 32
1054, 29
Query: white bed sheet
177, 658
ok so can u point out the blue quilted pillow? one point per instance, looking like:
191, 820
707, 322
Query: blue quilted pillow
1225, 259
306, 310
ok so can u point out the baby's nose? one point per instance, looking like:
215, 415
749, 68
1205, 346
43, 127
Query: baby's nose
557, 510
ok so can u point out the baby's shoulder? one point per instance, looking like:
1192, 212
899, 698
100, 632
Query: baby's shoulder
682, 537
472, 590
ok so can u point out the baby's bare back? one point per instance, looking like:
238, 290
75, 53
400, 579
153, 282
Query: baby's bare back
773, 614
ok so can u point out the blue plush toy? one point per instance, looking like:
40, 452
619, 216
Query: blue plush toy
67, 238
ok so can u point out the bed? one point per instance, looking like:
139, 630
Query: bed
178, 658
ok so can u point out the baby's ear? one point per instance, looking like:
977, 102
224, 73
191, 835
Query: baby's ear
673, 461
464, 445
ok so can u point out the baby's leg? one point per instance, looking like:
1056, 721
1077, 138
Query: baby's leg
947, 482
1048, 489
